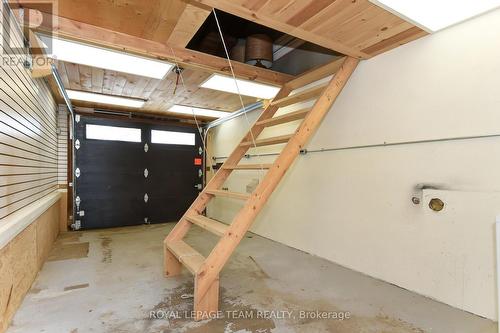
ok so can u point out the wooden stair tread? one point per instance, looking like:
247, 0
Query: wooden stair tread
316, 74
248, 166
234, 195
268, 141
207, 223
286, 118
305, 95
188, 256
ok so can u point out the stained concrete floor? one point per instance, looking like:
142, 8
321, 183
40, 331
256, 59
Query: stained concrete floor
111, 281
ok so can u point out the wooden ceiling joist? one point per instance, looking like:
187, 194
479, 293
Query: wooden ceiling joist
88, 33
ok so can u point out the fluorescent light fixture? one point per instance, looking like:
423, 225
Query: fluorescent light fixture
94, 56
247, 88
172, 138
112, 133
104, 99
434, 15
198, 111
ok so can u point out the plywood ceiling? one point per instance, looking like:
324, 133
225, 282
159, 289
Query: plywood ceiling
151, 19
353, 27
172, 21
159, 94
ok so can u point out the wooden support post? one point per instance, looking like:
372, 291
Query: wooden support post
171, 265
207, 305
41, 65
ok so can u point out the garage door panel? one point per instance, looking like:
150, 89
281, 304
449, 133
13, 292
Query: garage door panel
112, 187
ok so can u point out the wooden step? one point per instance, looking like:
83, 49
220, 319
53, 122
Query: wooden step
206, 223
227, 194
188, 256
316, 74
305, 95
267, 142
248, 166
286, 118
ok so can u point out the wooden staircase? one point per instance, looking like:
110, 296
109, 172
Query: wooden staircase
206, 270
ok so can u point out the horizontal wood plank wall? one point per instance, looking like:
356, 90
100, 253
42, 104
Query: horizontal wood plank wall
62, 146
28, 130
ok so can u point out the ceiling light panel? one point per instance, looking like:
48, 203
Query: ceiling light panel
93, 56
183, 109
244, 87
434, 15
104, 99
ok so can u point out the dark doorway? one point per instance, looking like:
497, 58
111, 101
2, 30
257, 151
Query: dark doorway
136, 181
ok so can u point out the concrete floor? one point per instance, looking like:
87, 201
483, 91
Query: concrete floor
118, 283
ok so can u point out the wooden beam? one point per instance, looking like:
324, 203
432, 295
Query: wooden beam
207, 223
88, 33
227, 194
41, 65
302, 96
171, 264
248, 166
399, 39
285, 118
186, 255
188, 24
163, 18
267, 141
232, 7
205, 306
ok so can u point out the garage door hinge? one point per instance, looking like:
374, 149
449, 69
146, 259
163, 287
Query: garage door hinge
77, 172
77, 225
146, 147
77, 144
146, 173
146, 197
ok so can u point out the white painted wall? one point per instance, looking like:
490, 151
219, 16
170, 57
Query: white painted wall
354, 206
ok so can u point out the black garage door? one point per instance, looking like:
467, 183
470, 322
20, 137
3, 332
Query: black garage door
125, 176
